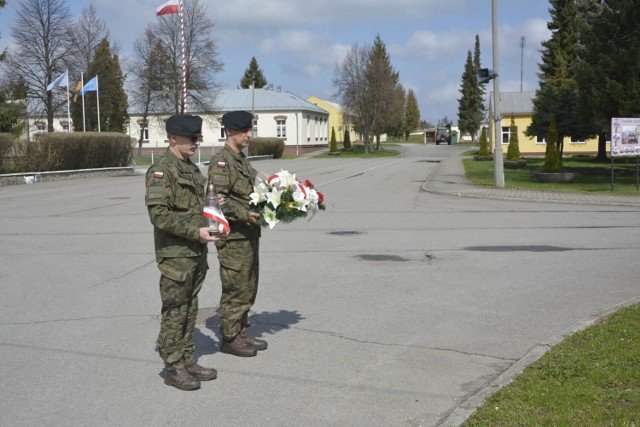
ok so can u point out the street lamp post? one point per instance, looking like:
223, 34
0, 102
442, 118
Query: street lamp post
498, 166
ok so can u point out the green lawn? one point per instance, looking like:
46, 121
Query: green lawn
481, 173
590, 379
357, 150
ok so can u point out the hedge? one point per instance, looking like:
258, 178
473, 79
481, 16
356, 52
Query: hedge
266, 146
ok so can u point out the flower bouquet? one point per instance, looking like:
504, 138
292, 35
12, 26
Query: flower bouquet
282, 198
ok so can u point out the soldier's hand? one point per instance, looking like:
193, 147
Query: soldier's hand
206, 237
221, 199
253, 217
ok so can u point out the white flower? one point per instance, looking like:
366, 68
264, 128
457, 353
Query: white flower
274, 197
270, 217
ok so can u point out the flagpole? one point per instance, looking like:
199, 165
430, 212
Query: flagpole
184, 61
68, 108
98, 101
84, 120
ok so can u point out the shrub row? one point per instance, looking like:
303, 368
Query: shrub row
266, 146
54, 151
6, 142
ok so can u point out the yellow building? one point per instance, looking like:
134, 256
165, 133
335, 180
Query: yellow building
337, 120
519, 106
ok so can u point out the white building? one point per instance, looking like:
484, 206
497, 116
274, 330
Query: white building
302, 125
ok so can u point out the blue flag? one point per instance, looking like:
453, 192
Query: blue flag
90, 86
61, 80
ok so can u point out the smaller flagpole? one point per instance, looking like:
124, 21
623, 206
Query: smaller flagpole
68, 108
184, 61
84, 120
98, 101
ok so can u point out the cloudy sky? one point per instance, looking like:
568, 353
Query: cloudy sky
298, 43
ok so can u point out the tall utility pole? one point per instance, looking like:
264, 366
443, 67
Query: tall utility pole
522, 42
498, 167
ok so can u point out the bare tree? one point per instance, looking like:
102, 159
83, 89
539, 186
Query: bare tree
351, 85
147, 69
89, 31
201, 57
43, 44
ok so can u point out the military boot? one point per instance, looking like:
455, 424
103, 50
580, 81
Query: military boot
254, 342
237, 347
180, 378
200, 373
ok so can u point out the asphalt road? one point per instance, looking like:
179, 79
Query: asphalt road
394, 307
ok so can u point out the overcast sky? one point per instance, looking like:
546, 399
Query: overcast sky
298, 43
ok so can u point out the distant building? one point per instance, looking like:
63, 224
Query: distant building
302, 125
337, 119
519, 105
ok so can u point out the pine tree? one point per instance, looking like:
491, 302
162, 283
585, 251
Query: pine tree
608, 69
470, 105
411, 114
557, 96
253, 75
513, 152
113, 98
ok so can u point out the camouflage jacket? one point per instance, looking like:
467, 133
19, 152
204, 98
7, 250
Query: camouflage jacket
232, 176
175, 198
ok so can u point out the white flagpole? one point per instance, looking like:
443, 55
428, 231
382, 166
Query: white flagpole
84, 120
68, 108
98, 101
184, 60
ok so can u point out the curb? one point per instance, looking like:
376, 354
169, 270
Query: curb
464, 410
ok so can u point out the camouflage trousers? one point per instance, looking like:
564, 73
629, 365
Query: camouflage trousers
239, 268
180, 281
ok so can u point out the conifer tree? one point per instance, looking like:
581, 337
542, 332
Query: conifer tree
513, 151
253, 75
411, 114
347, 140
470, 105
552, 156
113, 98
557, 96
333, 144
484, 143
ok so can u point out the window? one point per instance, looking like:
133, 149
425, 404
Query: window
41, 126
575, 141
281, 128
506, 134
223, 134
144, 131
65, 127
540, 139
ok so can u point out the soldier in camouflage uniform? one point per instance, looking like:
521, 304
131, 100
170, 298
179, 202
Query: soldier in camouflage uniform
175, 198
238, 253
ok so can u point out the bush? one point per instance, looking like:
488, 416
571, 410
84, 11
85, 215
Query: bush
6, 142
484, 144
347, 140
513, 152
333, 144
266, 146
53, 151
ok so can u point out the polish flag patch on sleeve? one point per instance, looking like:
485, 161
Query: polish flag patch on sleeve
221, 164
158, 175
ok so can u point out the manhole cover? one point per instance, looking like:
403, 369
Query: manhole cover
345, 233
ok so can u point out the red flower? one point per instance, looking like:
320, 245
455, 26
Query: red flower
308, 183
320, 197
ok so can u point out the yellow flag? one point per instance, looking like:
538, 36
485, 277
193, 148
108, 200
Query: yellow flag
75, 94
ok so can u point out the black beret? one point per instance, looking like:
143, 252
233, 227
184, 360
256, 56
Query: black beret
238, 120
184, 124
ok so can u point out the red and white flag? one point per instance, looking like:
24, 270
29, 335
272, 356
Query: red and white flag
168, 8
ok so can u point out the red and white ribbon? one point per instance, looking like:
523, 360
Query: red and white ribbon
215, 215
